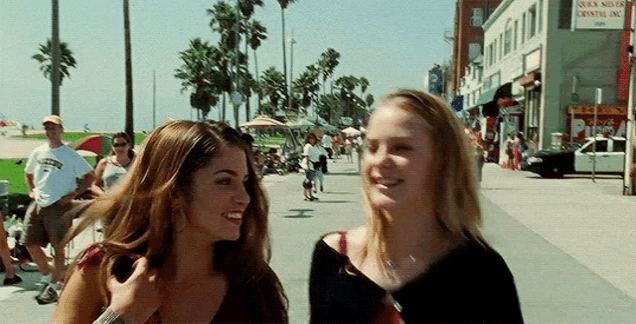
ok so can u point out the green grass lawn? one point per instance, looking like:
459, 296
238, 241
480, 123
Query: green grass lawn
75, 137
13, 170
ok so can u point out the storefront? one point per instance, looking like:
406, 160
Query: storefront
610, 120
532, 104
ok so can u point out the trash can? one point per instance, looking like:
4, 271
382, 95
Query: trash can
557, 140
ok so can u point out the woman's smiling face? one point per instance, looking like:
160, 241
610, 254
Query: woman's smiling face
398, 165
219, 197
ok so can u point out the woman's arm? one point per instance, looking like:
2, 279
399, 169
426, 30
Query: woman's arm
81, 299
98, 183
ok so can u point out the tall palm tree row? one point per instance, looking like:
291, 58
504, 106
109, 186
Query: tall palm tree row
45, 57
283, 5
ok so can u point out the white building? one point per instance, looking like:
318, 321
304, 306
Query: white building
529, 43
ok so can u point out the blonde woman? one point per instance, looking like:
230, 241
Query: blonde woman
420, 257
188, 241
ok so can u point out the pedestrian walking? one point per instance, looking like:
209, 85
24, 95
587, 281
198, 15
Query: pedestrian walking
335, 146
311, 156
359, 144
519, 146
349, 147
420, 258
326, 144
188, 242
51, 175
10, 277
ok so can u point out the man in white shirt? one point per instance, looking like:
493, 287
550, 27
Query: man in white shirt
51, 175
326, 144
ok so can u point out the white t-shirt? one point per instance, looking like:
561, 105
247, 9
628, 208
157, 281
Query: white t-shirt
55, 171
326, 141
312, 153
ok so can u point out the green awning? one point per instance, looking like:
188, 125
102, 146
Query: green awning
486, 97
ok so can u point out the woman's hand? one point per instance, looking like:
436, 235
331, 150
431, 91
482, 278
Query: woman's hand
138, 297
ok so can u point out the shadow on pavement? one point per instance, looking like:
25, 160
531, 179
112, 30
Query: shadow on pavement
352, 173
333, 201
336, 192
301, 213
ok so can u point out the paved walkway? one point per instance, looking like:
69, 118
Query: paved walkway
569, 243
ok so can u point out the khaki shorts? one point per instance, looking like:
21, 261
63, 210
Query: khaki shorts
43, 225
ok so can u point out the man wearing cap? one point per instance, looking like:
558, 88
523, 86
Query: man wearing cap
51, 175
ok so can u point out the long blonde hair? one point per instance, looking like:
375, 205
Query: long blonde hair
143, 216
457, 208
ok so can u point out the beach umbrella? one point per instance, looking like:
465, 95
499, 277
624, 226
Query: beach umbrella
350, 131
301, 123
98, 144
264, 123
3, 123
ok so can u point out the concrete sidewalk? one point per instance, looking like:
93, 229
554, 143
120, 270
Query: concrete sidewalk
591, 222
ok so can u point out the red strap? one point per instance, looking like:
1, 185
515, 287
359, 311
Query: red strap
343, 242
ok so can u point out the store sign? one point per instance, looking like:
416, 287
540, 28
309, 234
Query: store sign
610, 120
598, 14
533, 61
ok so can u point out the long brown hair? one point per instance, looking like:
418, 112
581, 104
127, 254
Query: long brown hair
143, 216
457, 208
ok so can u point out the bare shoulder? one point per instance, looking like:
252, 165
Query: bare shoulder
81, 300
355, 238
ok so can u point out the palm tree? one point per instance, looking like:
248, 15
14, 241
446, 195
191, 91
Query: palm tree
364, 84
283, 5
246, 8
328, 62
272, 85
45, 57
199, 72
307, 84
129, 85
256, 33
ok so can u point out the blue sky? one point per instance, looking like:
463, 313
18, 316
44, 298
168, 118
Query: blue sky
390, 42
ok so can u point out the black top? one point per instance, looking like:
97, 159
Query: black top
470, 284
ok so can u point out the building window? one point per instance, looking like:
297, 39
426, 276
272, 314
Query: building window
500, 46
494, 52
514, 44
565, 14
477, 17
540, 17
491, 54
523, 28
508, 38
532, 21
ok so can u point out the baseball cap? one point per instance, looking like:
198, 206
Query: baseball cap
52, 119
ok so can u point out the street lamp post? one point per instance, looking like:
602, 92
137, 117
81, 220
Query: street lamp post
292, 41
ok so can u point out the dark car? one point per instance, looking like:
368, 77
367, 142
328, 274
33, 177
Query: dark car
579, 158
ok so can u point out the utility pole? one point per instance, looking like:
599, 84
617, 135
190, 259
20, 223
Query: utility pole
154, 99
55, 64
291, 73
629, 135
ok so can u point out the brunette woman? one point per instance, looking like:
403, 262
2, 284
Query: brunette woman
188, 242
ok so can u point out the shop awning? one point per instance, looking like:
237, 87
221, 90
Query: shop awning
486, 97
458, 103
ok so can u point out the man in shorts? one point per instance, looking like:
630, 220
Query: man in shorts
51, 175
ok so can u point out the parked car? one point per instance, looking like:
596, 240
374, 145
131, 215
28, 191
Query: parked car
610, 158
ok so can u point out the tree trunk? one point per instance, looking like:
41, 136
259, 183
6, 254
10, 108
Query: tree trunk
223, 114
282, 12
247, 96
257, 83
129, 86
55, 58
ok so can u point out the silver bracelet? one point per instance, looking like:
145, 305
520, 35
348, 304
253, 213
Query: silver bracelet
109, 317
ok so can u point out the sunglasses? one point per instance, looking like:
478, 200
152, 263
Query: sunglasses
120, 144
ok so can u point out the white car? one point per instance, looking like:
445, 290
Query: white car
610, 158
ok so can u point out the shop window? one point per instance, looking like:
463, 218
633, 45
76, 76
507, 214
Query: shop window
477, 17
500, 46
532, 21
540, 17
565, 14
